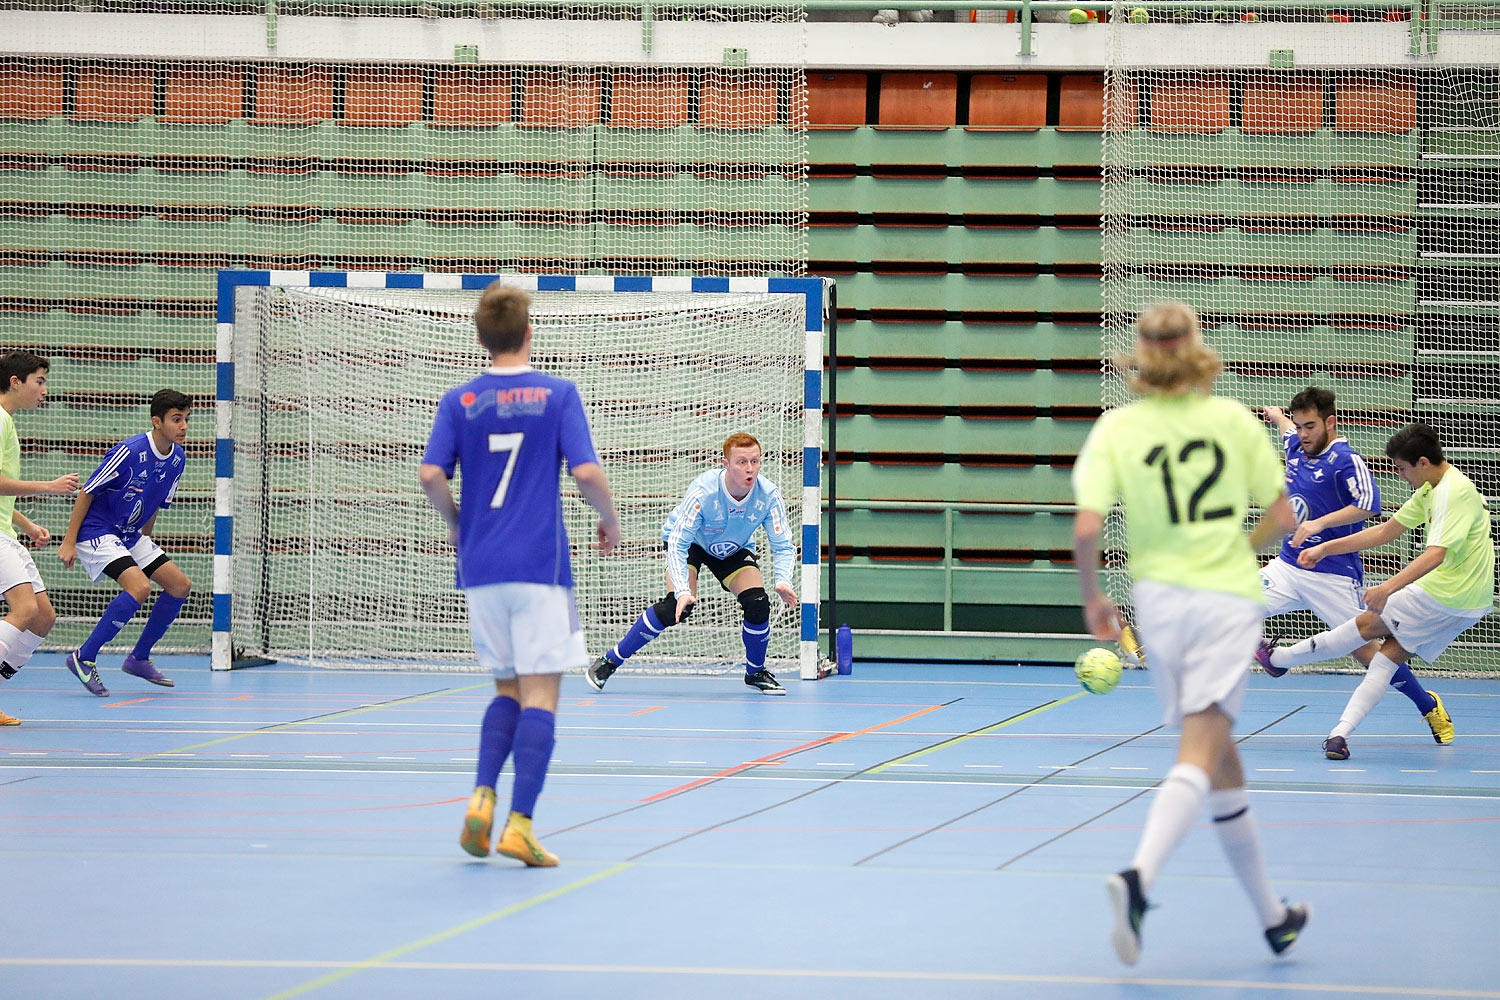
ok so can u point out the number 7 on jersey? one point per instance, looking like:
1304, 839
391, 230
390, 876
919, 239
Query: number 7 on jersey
509, 443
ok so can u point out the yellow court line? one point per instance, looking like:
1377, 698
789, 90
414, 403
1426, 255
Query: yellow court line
978, 732
385, 957
762, 972
308, 722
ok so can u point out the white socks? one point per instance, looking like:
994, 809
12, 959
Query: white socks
1367, 695
1176, 806
1230, 808
10, 645
1336, 642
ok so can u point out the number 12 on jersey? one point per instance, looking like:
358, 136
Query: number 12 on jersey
510, 443
1160, 456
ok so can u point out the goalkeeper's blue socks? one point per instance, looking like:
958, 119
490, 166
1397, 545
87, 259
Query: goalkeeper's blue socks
163, 614
646, 628
532, 752
119, 612
757, 638
1405, 681
496, 733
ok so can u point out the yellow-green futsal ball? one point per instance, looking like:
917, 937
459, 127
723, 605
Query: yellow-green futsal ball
1098, 670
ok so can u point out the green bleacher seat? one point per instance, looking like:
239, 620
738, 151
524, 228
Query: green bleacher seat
641, 240
957, 435
954, 147
954, 195
968, 293
1356, 295
940, 243
374, 189
1027, 583
972, 530
954, 387
664, 192
487, 192
957, 339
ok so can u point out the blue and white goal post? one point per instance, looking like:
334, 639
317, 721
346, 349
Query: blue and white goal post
326, 386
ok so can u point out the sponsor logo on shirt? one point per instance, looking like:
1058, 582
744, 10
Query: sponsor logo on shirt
721, 549
522, 400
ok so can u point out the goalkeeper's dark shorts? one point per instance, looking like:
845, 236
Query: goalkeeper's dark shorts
722, 569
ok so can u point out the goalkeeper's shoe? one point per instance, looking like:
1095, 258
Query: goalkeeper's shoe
1285, 934
1130, 642
1336, 748
520, 843
475, 836
87, 674
763, 681
1439, 722
600, 671
1263, 651
1129, 904
146, 671
9, 720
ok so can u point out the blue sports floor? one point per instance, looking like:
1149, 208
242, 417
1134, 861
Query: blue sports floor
911, 831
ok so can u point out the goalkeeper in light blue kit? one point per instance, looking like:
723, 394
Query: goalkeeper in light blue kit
713, 527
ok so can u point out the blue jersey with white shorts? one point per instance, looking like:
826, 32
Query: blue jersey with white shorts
1320, 484
132, 483
510, 430
721, 525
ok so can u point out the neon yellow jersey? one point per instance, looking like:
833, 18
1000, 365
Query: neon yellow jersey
1458, 520
1185, 468
10, 467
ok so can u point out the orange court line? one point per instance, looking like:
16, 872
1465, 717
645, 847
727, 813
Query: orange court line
653, 708
137, 701
776, 757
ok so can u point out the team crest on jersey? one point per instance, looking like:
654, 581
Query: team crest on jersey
1299, 507
719, 550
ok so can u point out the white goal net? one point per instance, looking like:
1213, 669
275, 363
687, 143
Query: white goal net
337, 558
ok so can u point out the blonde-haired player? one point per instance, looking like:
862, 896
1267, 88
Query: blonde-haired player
713, 526
1185, 465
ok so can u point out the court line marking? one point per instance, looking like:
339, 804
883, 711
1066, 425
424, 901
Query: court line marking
317, 718
723, 971
1124, 802
982, 731
405, 949
780, 755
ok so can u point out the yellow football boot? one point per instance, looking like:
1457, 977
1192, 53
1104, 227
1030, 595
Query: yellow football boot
518, 842
475, 836
1439, 721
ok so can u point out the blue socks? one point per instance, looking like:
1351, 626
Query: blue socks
119, 612
163, 614
1405, 681
495, 736
532, 752
757, 638
646, 628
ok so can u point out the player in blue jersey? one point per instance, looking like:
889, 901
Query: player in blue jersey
1332, 493
510, 430
110, 531
29, 617
713, 526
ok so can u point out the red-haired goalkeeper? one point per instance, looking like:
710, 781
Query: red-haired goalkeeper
714, 526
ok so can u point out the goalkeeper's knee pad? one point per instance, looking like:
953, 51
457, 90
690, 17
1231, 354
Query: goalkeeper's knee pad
757, 606
666, 611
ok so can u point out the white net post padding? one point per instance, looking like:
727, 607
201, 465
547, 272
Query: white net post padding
336, 557
1335, 223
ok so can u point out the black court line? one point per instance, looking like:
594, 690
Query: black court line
17, 781
1030, 784
1126, 802
835, 781
816, 745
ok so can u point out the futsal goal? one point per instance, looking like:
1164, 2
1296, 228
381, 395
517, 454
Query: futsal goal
326, 551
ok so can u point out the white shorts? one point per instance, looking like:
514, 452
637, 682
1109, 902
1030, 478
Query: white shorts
1199, 646
1422, 625
17, 566
97, 553
1333, 597
525, 628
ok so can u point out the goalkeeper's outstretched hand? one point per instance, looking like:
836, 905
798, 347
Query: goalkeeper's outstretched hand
787, 594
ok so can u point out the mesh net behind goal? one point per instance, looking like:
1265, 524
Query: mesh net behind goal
340, 561
1337, 224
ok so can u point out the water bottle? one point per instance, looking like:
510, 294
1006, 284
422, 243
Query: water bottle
844, 650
